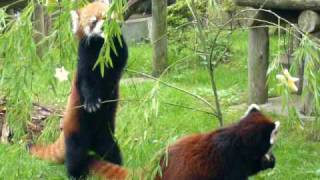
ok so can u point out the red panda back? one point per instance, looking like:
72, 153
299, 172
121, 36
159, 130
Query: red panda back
227, 153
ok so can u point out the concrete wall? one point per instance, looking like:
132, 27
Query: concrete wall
136, 30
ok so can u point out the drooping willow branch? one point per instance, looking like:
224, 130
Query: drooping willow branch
176, 88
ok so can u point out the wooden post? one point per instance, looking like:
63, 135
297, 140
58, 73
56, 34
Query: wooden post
47, 22
307, 104
308, 101
294, 43
159, 36
39, 27
258, 55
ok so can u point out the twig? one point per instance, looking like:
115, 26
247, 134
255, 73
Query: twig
168, 103
210, 66
174, 87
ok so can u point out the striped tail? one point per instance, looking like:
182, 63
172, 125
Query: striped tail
108, 171
54, 152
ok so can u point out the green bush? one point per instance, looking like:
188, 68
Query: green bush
180, 14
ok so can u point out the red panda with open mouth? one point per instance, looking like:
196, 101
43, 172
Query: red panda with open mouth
232, 153
91, 127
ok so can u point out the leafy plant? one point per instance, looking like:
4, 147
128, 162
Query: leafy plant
179, 13
112, 30
23, 72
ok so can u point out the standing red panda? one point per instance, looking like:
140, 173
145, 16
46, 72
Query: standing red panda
91, 127
231, 153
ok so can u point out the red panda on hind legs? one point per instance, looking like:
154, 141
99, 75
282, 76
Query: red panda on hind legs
231, 153
90, 127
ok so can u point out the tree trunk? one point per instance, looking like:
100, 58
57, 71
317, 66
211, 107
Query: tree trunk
159, 36
258, 65
281, 4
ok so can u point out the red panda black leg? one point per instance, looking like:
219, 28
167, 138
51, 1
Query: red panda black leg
107, 148
77, 157
268, 161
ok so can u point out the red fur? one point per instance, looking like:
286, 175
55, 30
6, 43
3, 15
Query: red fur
234, 152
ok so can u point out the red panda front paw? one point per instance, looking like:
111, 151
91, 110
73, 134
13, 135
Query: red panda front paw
91, 105
268, 161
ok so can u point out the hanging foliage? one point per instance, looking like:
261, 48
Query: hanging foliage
23, 73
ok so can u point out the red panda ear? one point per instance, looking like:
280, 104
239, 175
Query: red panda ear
252, 108
75, 21
104, 1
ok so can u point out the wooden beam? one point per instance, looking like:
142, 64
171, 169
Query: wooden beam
258, 55
16, 4
281, 4
256, 17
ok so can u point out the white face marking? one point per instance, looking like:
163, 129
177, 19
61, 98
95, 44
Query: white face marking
97, 30
273, 136
252, 106
75, 21
87, 30
92, 19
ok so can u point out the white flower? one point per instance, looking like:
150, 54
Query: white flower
61, 74
286, 79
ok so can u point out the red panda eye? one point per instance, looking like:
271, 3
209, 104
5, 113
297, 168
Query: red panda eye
94, 23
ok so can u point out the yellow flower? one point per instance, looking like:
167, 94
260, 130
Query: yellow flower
61, 74
288, 80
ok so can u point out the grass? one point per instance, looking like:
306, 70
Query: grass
146, 127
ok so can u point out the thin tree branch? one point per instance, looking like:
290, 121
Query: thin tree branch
210, 66
174, 87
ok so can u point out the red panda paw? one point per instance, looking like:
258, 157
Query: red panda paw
268, 161
29, 146
91, 105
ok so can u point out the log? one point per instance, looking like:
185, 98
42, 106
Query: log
159, 37
258, 65
141, 7
15, 4
256, 17
281, 4
309, 21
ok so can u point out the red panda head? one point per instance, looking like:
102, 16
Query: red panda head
88, 21
257, 132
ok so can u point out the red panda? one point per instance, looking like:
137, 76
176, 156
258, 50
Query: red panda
231, 153
92, 126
